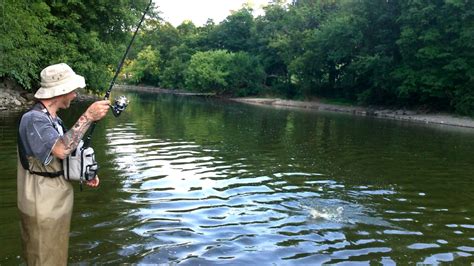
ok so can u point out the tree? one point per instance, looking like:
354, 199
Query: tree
436, 44
88, 35
24, 40
208, 71
173, 75
246, 74
328, 51
271, 28
234, 33
378, 55
145, 68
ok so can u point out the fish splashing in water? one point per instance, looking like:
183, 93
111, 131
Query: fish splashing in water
325, 213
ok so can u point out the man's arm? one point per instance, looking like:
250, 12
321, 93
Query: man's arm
69, 141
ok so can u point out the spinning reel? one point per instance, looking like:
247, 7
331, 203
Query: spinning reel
120, 103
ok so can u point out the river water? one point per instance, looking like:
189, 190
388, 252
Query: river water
189, 181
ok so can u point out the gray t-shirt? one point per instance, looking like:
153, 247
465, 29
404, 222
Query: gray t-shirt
39, 132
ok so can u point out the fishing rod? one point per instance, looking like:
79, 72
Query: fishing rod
120, 103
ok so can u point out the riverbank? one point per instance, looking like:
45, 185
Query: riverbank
13, 99
160, 90
404, 115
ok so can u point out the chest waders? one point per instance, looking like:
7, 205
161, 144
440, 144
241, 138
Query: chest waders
45, 201
45, 198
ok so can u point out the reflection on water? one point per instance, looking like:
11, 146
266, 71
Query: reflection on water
196, 181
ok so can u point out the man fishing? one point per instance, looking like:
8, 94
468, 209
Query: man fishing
45, 198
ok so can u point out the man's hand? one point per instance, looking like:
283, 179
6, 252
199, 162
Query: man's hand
97, 110
94, 182
69, 141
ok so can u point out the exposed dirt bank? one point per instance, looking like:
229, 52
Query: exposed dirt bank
13, 98
435, 118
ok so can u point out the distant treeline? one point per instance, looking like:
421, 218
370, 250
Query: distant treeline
400, 53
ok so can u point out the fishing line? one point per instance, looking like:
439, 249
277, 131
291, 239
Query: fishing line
120, 103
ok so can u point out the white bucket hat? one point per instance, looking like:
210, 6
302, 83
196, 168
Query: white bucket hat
57, 80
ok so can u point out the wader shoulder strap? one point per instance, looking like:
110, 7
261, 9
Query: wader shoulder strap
22, 153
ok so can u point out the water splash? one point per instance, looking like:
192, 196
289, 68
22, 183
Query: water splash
334, 214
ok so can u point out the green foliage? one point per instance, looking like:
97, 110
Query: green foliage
24, 40
224, 72
268, 28
208, 72
144, 69
173, 73
246, 74
437, 50
329, 51
374, 52
88, 35
368, 75
235, 31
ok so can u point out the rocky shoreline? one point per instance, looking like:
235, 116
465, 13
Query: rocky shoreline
14, 99
404, 115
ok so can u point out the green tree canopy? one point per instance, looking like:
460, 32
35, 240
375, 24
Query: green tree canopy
88, 35
374, 52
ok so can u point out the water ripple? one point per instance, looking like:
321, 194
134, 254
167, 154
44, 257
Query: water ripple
192, 206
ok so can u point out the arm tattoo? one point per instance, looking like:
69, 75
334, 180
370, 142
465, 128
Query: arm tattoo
71, 138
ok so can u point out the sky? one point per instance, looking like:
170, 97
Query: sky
198, 11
